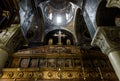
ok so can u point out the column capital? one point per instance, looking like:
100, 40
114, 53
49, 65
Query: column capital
11, 38
107, 39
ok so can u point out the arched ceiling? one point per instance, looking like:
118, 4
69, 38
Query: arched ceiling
94, 14
9, 11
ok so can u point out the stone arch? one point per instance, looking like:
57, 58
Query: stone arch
106, 16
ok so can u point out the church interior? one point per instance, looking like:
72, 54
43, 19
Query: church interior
59, 40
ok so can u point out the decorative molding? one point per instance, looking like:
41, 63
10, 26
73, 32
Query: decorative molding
10, 74
53, 74
50, 50
113, 3
107, 38
19, 74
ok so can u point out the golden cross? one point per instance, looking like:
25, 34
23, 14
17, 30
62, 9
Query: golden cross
59, 35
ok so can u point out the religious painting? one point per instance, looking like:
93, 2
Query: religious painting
34, 63
68, 63
42, 63
77, 63
24, 62
51, 63
60, 63
15, 63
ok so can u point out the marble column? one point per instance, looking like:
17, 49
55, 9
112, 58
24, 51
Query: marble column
3, 58
114, 57
10, 40
108, 40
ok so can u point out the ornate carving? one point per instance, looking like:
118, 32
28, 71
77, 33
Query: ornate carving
113, 35
108, 75
94, 75
69, 74
50, 74
108, 39
59, 75
54, 74
113, 3
50, 49
10, 74
40, 75
9, 38
30, 75
20, 74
